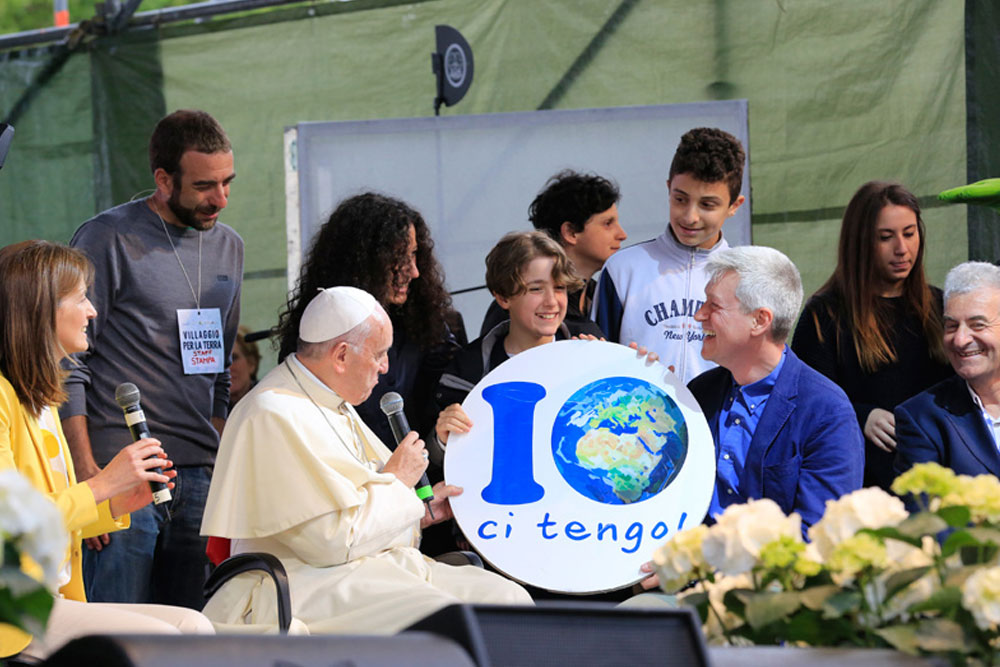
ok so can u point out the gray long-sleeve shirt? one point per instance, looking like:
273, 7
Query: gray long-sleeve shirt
138, 288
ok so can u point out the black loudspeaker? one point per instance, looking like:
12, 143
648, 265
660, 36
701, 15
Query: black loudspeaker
260, 651
581, 634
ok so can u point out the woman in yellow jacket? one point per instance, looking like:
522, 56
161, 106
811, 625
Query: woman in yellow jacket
44, 313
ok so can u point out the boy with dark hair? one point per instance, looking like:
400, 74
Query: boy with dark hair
650, 292
580, 212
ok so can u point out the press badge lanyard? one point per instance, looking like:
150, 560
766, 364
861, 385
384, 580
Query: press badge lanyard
200, 332
197, 297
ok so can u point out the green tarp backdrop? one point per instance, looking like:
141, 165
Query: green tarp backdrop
839, 93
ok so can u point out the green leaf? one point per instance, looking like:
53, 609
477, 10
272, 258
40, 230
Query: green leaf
901, 637
941, 634
956, 517
892, 533
924, 523
767, 579
37, 604
807, 626
957, 540
956, 577
900, 580
977, 555
942, 600
9, 611
11, 556
844, 602
811, 628
985, 535
734, 600
814, 598
28, 612
35, 609
695, 600
765, 608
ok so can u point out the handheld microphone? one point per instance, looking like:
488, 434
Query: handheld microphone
392, 407
127, 398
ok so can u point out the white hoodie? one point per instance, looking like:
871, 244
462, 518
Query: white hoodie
649, 293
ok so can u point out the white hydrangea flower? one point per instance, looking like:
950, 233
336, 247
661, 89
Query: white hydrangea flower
34, 521
733, 544
981, 596
677, 560
844, 517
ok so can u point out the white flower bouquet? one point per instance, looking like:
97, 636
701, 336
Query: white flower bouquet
30, 525
873, 574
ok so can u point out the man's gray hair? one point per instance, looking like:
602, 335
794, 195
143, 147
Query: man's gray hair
355, 337
768, 279
971, 276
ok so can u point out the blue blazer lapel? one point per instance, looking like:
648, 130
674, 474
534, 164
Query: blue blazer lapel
968, 422
779, 408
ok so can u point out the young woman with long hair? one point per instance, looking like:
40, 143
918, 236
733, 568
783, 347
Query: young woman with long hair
44, 313
875, 326
383, 246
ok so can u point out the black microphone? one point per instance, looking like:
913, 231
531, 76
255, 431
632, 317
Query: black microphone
127, 398
392, 406
255, 336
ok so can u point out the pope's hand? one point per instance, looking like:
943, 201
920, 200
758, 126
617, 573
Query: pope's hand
409, 461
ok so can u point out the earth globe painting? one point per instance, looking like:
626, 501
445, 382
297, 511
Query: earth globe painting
619, 440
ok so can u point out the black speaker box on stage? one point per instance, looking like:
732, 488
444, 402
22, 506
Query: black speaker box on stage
581, 634
260, 651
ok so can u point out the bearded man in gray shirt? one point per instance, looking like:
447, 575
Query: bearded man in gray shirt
167, 293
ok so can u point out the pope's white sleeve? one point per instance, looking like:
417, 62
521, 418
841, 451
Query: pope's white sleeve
389, 517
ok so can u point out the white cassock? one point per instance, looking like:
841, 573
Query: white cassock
296, 476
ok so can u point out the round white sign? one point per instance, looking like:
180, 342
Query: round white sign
582, 460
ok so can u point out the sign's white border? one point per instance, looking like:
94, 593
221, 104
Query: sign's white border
537, 543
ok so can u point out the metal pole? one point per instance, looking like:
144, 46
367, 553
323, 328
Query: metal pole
151, 18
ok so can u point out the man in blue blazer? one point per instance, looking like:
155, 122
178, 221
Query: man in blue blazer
782, 430
956, 422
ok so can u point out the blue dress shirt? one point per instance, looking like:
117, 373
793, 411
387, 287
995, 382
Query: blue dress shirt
738, 420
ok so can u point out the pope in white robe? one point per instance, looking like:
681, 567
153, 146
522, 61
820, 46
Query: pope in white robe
300, 476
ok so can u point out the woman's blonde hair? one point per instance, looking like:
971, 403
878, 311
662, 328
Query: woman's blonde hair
34, 277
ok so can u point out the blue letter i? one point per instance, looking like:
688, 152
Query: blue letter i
513, 419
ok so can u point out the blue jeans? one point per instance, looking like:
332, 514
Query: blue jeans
156, 560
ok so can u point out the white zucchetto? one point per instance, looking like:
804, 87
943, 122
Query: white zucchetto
335, 311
